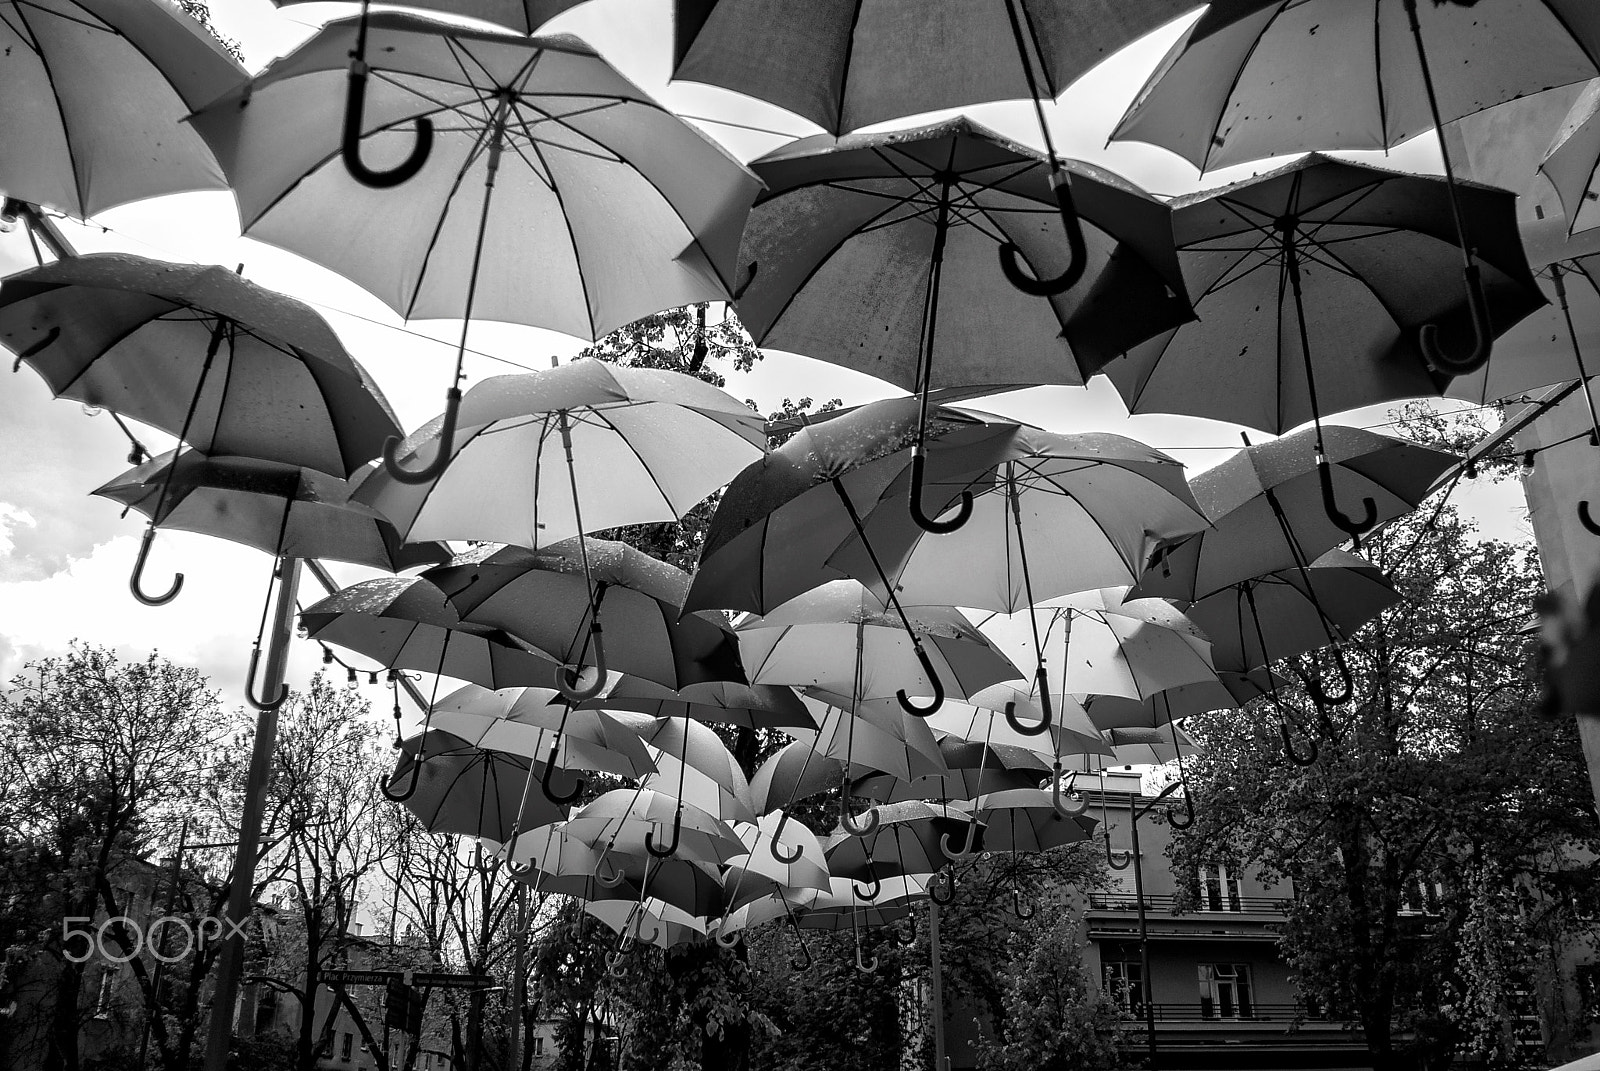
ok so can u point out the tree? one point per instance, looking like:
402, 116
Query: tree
98, 759
1437, 843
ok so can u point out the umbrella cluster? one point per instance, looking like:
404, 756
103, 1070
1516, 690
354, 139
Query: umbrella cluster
943, 616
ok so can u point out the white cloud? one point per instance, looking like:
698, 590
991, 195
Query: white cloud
12, 518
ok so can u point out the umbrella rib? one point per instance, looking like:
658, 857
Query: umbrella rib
480, 142
608, 425
61, 111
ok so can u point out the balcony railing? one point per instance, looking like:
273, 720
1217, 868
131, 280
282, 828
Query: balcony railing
1228, 905
1207, 1012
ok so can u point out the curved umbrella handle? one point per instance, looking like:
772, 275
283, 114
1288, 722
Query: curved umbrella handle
938, 687
925, 522
1010, 255
1016, 905
1482, 344
967, 847
638, 932
410, 790
518, 869
865, 966
1112, 857
777, 849
804, 963
355, 106
1044, 705
1586, 519
136, 578
599, 874
1289, 751
1352, 528
946, 880
872, 891
1065, 810
250, 686
910, 938
672, 845
1346, 686
1188, 806
567, 679
727, 938
560, 799
862, 827
447, 439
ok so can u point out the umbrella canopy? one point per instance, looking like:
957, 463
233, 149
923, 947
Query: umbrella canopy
1070, 731
842, 638
1572, 162
96, 91
906, 840
750, 706
544, 598
781, 518
1137, 747
652, 921
1064, 513
585, 740
872, 734
1316, 251
407, 623
523, 16
276, 508
1267, 511
1557, 343
551, 861
691, 887
588, 204
468, 790
1106, 644
852, 64
975, 768
842, 907
1026, 820
227, 366
625, 821
579, 448
1292, 611
1226, 692
1250, 79
761, 872
794, 772
860, 241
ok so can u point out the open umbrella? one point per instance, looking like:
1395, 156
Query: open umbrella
227, 366
523, 16
1227, 691
96, 91
1320, 250
1250, 79
625, 821
541, 187
458, 788
751, 706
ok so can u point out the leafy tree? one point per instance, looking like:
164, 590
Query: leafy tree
1438, 778
98, 758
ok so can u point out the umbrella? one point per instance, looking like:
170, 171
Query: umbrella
523, 16
1067, 732
559, 599
1138, 746
1226, 692
913, 837
750, 706
794, 772
780, 519
579, 448
626, 821
530, 721
1064, 513
766, 870
853, 64
1025, 820
652, 921
1546, 348
841, 637
1573, 160
1251, 79
228, 367
693, 764
276, 508
96, 91
1323, 250
975, 768
458, 788
1269, 505
552, 191
861, 242
1288, 612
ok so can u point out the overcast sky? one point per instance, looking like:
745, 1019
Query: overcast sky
65, 557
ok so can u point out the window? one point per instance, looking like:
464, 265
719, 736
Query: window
1220, 890
1419, 897
1225, 990
538, 1047
347, 1043
1124, 984
266, 1008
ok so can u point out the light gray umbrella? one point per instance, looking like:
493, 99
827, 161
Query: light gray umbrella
96, 92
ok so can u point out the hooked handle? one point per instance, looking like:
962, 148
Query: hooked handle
919, 466
611, 881
1188, 819
1351, 527
447, 438
355, 106
1016, 905
1346, 686
672, 845
1065, 810
1586, 519
560, 799
410, 790
938, 687
777, 849
1288, 747
727, 938
1078, 254
871, 892
1482, 334
250, 686
136, 578
804, 962
967, 848
946, 880
859, 827
1043, 726
567, 678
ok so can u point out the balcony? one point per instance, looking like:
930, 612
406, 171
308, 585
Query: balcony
1242, 1012
1167, 904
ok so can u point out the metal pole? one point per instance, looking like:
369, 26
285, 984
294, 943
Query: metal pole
940, 1063
230, 964
1144, 936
